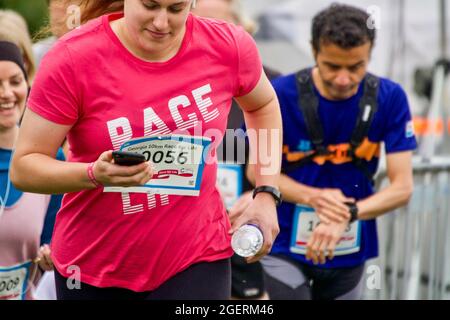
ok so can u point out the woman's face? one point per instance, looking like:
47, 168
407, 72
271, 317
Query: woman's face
155, 25
13, 94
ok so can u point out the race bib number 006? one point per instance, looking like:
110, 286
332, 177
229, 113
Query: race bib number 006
306, 220
178, 163
14, 281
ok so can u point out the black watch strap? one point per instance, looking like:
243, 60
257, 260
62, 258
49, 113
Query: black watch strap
276, 194
353, 209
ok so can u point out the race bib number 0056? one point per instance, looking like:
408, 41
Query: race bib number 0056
178, 163
306, 220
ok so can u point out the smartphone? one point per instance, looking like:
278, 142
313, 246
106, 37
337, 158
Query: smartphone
125, 158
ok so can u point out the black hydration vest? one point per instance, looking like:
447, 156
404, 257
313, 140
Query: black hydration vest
309, 105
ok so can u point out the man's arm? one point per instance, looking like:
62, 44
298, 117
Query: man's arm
397, 194
399, 170
328, 203
292, 191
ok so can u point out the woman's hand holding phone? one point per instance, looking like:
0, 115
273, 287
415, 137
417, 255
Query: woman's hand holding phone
122, 169
124, 158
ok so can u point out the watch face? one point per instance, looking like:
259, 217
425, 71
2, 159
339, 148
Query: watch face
353, 212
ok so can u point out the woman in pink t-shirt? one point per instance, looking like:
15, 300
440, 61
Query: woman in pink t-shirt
149, 69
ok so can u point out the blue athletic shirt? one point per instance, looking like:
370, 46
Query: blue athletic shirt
391, 124
14, 194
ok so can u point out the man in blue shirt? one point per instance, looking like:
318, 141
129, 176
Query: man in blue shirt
327, 220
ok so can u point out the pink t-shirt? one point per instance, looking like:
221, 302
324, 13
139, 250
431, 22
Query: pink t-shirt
91, 81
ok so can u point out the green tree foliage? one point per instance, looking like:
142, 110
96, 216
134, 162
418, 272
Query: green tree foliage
34, 11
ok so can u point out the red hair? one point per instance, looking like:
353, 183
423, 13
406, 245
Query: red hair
93, 9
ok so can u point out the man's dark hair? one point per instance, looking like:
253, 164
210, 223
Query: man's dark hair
342, 25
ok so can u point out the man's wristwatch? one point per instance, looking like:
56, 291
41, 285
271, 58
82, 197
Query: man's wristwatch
353, 209
276, 194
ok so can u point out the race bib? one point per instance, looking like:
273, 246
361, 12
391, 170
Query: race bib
306, 220
229, 181
14, 281
178, 162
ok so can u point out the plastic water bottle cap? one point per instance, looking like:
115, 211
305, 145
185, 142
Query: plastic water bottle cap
245, 243
247, 240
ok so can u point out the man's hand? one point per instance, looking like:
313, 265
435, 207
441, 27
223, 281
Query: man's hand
324, 239
330, 206
262, 212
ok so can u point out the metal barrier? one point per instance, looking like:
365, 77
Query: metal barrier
414, 241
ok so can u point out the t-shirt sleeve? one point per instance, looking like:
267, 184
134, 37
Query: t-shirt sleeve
249, 65
54, 95
400, 128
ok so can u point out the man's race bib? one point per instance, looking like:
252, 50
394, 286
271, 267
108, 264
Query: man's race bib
178, 163
229, 182
306, 220
14, 281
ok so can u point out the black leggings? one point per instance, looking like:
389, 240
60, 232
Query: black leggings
201, 281
320, 283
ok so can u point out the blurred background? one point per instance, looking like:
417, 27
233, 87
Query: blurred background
35, 12
412, 41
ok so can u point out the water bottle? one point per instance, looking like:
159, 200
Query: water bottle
247, 240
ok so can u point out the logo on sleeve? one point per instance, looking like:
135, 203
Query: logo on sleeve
304, 146
409, 132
